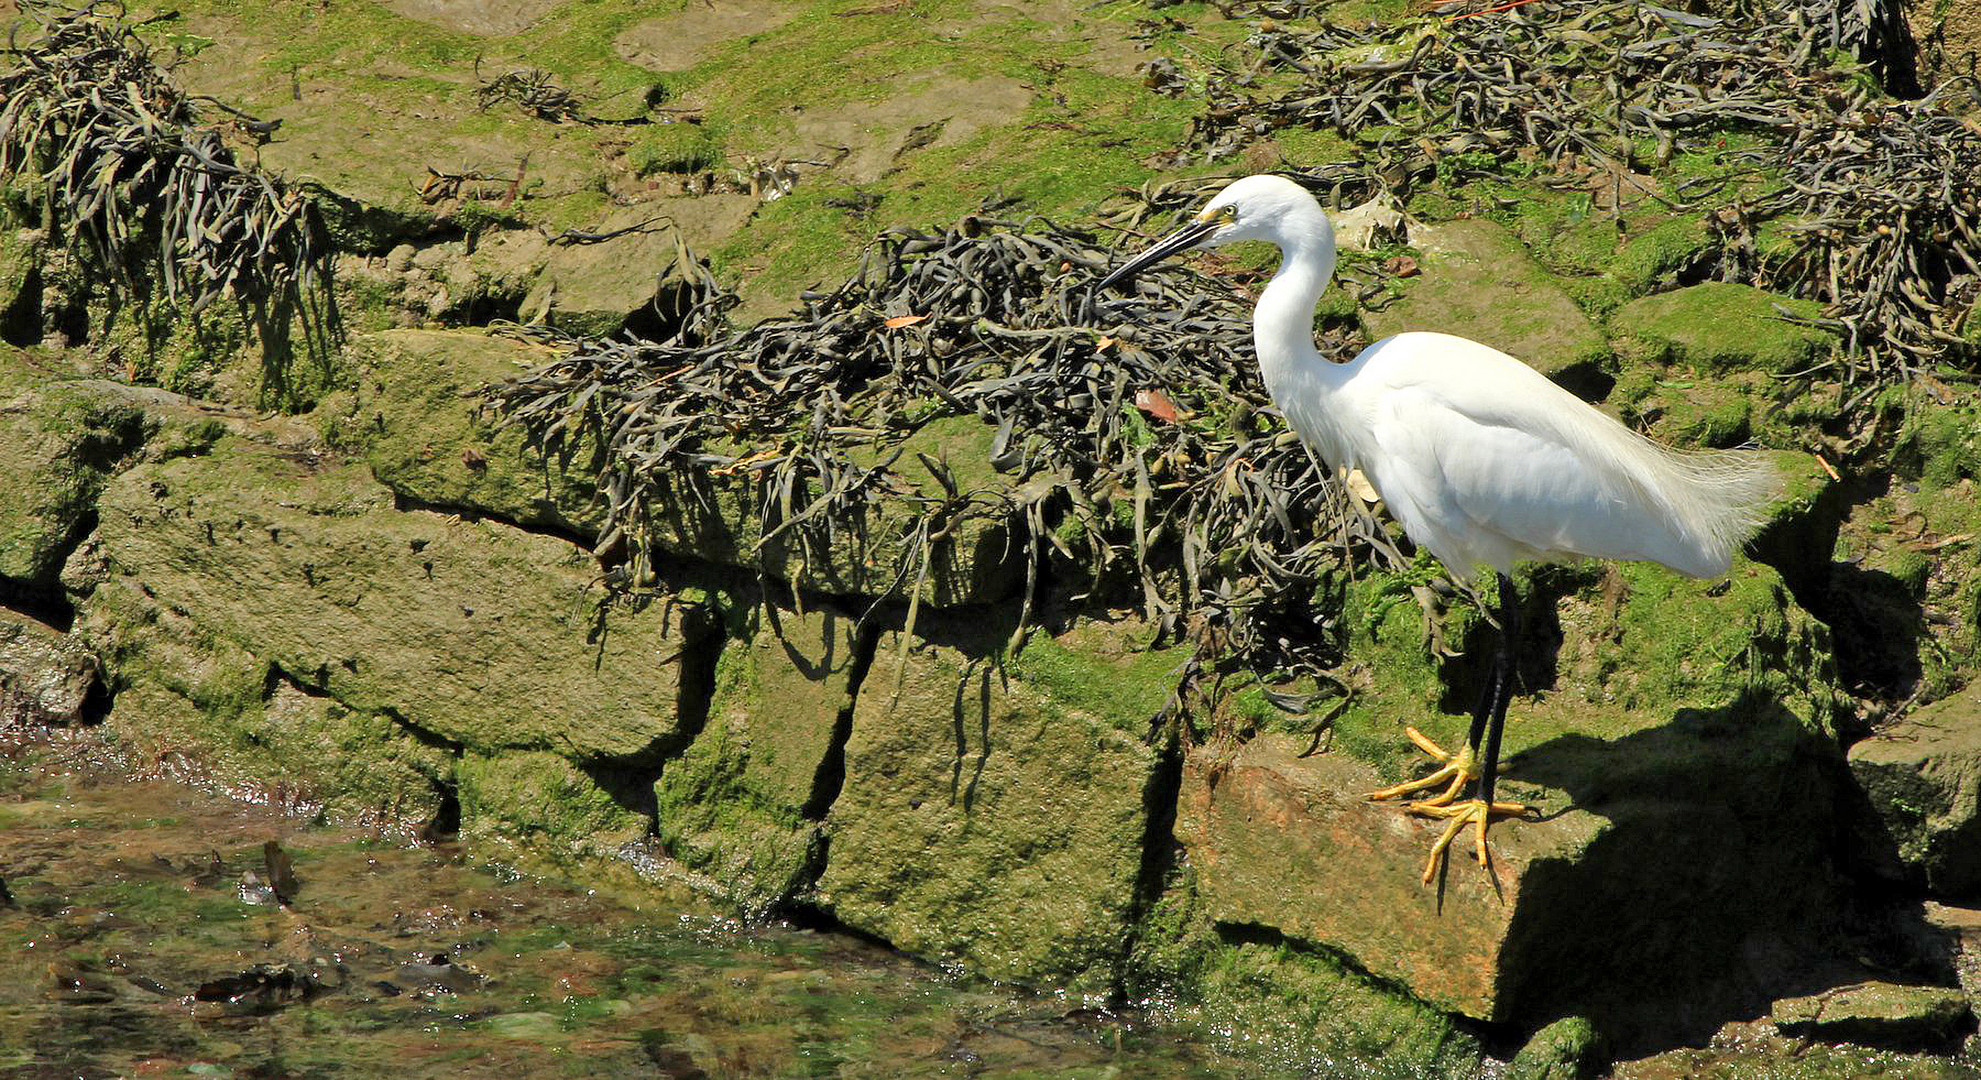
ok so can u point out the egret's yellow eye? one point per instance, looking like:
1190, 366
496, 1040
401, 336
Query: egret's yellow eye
1229, 213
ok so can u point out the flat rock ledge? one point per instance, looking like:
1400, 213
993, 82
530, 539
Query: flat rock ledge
1877, 1014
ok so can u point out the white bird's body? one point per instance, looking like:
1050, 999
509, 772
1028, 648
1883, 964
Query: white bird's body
1486, 462
1481, 459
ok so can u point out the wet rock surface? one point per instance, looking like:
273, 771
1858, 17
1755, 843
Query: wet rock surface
46, 677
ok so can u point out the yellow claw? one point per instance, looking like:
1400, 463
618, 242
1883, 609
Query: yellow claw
1459, 769
1475, 812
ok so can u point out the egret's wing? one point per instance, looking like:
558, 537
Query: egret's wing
1497, 463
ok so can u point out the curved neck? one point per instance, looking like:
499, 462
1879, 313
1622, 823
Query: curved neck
1283, 321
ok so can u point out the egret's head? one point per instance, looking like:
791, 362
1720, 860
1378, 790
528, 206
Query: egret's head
1270, 208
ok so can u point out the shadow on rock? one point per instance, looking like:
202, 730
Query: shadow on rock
1714, 890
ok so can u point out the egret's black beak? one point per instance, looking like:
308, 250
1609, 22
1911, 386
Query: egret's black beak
1183, 239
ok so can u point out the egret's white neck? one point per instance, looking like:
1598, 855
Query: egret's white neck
1283, 322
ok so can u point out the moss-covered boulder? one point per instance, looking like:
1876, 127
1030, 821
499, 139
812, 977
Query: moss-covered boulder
1315, 1008
1673, 735
22, 250
482, 635
1922, 776
544, 803
1568, 1049
189, 704
1479, 282
413, 412
996, 818
742, 803
58, 441
1719, 327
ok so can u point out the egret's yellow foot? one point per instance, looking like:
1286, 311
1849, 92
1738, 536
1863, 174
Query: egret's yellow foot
1474, 812
1459, 769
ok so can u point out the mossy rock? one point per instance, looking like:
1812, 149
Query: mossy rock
59, 441
1922, 778
1568, 1049
414, 414
22, 251
46, 676
1940, 445
1798, 534
1644, 698
1719, 327
741, 804
541, 802
1652, 257
1877, 1014
990, 820
1479, 282
192, 704
475, 633
1306, 1008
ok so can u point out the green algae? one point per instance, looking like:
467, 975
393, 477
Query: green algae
740, 803
1310, 1008
1719, 327
58, 445
983, 822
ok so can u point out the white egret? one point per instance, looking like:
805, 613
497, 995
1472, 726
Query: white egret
1479, 457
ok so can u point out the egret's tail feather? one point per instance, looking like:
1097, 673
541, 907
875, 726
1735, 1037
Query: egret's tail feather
1717, 499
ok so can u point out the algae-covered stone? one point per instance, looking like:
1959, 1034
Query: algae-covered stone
415, 414
1922, 775
21, 253
477, 633
1479, 282
1876, 1014
45, 675
189, 702
1799, 531
635, 279
1291, 842
1568, 1049
544, 802
1676, 743
742, 803
1719, 327
991, 819
58, 441
1691, 883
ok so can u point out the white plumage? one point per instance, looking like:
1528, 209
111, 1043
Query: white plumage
1480, 458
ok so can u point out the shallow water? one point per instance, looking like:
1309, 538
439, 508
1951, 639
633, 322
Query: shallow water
145, 936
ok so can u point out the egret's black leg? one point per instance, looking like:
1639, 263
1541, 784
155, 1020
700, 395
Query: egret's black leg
1499, 690
1479, 761
1463, 769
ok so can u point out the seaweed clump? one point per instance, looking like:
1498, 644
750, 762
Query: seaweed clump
1811, 178
137, 183
1130, 455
